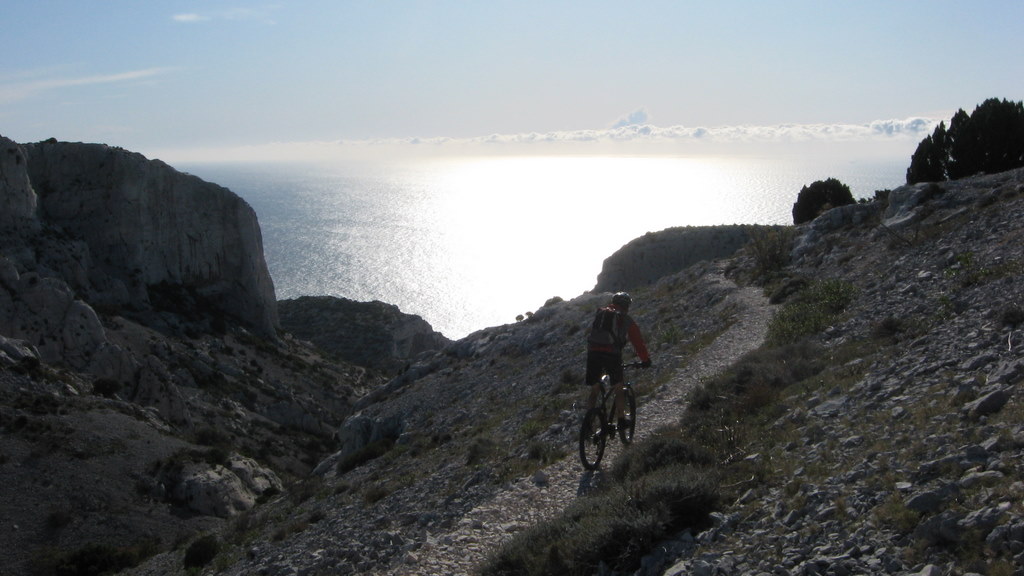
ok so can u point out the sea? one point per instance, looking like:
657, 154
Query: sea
473, 242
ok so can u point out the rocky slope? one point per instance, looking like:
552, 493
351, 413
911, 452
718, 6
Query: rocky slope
901, 458
145, 394
906, 460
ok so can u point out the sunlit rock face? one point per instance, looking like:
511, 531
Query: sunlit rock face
17, 200
144, 224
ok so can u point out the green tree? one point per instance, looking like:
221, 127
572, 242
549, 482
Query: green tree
818, 197
928, 164
989, 140
1000, 125
963, 151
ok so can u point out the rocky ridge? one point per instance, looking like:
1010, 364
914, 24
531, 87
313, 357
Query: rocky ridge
371, 334
658, 254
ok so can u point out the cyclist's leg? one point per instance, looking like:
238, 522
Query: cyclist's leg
617, 377
595, 369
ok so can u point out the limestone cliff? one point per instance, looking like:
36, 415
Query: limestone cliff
657, 254
145, 224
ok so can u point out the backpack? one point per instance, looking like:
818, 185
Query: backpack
609, 329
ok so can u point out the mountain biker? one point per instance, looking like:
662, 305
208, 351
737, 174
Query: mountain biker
612, 328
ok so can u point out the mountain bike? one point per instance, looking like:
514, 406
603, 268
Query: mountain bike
599, 422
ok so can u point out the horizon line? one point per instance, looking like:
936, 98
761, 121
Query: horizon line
646, 139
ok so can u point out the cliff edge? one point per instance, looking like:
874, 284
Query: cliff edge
144, 225
657, 254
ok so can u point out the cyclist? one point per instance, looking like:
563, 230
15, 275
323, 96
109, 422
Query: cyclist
611, 330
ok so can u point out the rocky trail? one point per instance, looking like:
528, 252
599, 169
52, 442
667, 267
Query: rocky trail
550, 490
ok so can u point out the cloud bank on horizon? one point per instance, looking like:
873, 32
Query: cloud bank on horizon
631, 134
638, 130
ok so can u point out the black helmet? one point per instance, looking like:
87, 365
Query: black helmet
622, 300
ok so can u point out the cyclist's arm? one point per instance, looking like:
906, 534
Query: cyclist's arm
637, 340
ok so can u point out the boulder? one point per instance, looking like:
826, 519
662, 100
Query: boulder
358, 432
989, 403
17, 353
222, 491
46, 312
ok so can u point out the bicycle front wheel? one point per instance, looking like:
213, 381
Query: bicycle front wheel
592, 439
626, 432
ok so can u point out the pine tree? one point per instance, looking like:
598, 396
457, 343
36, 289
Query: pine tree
989, 140
928, 164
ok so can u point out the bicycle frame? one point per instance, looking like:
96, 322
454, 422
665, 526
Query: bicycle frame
598, 422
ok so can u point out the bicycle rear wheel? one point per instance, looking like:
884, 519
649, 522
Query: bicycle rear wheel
626, 432
592, 439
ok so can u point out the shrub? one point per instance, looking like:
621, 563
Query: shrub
479, 450
724, 411
770, 246
614, 527
666, 447
202, 551
818, 197
106, 387
371, 451
889, 328
93, 560
210, 436
543, 452
1012, 316
811, 311
376, 493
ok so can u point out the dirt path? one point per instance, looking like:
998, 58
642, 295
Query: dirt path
549, 491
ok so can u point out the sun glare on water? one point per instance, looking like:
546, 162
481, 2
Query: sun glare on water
524, 229
472, 242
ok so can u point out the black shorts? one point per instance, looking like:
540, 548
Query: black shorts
601, 363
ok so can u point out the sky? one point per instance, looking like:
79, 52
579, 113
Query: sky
221, 80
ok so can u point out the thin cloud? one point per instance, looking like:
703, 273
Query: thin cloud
644, 138
626, 131
190, 17
262, 15
22, 90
